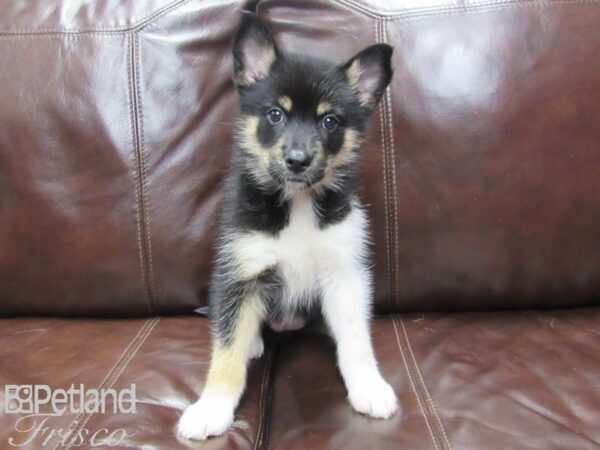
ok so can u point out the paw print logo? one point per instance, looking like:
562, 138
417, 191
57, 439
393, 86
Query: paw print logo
19, 399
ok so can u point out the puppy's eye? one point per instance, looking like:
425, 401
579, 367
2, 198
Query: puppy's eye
330, 122
275, 115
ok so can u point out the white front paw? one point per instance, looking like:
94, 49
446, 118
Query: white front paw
371, 395
212, 415
257, 348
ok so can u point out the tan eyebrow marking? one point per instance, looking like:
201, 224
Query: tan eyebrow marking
286, 103
323, 108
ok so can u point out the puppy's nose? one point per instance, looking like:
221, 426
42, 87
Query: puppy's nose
297, 161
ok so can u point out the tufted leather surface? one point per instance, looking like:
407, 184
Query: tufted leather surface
480, 176
112, 147
469, 381
166, 358
465, 380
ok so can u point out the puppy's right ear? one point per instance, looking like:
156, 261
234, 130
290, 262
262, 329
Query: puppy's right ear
254, 51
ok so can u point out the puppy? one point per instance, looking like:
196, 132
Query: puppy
293, 234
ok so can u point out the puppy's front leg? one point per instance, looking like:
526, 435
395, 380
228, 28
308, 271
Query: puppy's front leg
346, 307
235, 330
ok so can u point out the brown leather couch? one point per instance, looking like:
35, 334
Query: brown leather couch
481, 175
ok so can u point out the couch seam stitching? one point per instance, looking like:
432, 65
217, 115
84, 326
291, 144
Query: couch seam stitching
385, 182
139, 177
469, 9
410, 378
140, 24
151, 21
122, 356
429, 399
117, 373
143, 164
387, 102
453, 8
134, 136
488, 8
27, 37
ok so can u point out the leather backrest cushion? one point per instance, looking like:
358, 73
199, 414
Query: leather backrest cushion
480, 172
114, 134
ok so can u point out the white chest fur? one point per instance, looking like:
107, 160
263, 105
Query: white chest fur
302, 253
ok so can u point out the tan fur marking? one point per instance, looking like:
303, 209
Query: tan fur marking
346, 154
286, 103
227, 371
353, 73
270, 58
323, 108
246, 135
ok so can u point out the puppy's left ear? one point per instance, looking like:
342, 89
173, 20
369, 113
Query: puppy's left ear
254, 51
369, 72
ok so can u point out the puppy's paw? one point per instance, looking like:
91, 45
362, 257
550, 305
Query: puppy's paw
374, 397
257, 348
209, 416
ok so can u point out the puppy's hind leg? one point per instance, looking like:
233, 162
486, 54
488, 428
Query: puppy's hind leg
235, 329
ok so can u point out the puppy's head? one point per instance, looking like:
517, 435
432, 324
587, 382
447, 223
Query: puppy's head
302, 118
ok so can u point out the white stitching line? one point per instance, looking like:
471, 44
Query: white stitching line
151, 21
489, 8
353, 4
425, 416
385, 182
452, 8
124, 353
142, 23
429, 399
391, 167
160, 14
28, 37
142, 331
392, 153
137, 175
142, 153
75, 422
115, 376
345, 4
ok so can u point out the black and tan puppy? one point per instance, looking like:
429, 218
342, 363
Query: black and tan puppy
293, 234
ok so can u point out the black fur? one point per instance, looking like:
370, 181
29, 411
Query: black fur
256, 197
332, 206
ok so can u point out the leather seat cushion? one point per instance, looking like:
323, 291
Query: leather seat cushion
468, 381
166, 358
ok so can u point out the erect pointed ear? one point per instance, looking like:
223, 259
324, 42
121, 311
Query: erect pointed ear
369, 72
254, 51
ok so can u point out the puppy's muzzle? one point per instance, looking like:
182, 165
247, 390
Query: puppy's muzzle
297, 161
